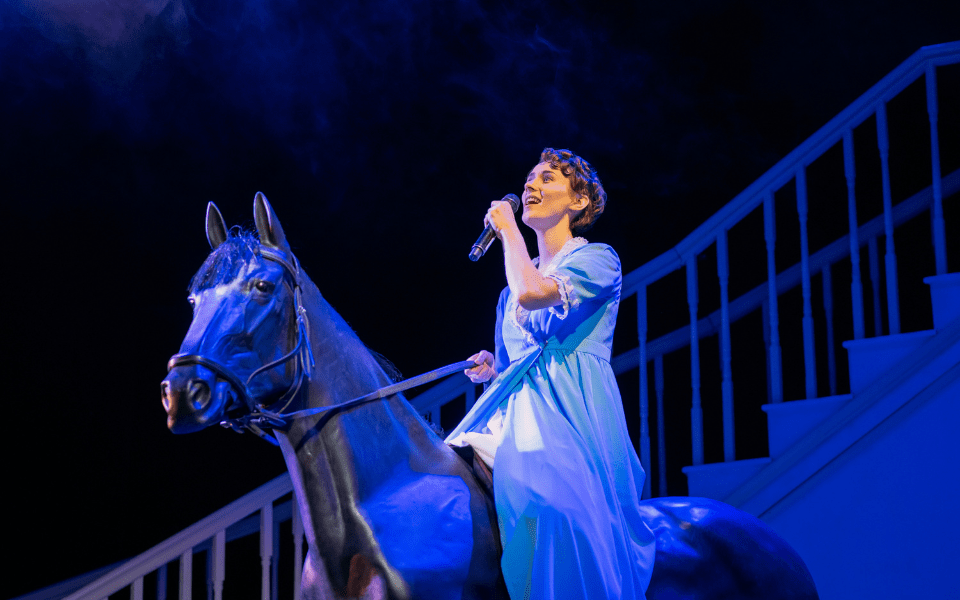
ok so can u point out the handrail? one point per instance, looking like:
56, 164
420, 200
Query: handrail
787, 279
783, 171
185, 541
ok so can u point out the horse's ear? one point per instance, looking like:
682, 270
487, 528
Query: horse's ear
268, 225
216, 228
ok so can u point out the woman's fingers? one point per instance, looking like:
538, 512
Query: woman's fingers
499, 215
484, 369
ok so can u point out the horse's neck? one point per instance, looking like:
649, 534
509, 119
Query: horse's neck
357, 452
376, 435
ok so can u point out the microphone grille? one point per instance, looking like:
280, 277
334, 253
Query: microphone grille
513, 200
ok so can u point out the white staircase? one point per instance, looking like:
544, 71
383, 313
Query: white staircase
865, 485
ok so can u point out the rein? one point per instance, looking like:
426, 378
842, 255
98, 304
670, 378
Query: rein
388, 390
261, 417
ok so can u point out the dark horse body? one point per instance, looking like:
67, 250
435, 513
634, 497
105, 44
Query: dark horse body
388, 508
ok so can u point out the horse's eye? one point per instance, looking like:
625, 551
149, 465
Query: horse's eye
192, 301
263, 286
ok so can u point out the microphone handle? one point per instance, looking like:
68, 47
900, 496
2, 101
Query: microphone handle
482, 244
486, 238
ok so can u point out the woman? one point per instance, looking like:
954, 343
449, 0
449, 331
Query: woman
566, 477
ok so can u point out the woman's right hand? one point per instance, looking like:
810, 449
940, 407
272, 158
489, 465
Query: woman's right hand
500, 216
484, 371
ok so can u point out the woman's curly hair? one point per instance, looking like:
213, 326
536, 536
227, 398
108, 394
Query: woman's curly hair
584, 181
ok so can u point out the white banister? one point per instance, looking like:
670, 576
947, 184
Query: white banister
939, 228
661, 426
218, 561
644, 387
809, 351
890, 255
696, 411
856, 287
186, 575
182, 544
726, 371
266, 549
770, 237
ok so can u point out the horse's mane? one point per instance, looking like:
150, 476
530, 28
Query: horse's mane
228, 260
225, 263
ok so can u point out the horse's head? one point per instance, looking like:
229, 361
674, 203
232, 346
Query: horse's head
247, 348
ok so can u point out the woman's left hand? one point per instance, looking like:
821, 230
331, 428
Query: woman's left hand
484, 370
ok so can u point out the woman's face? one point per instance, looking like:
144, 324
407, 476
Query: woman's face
548, 197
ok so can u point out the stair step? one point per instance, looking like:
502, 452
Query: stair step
718, 480
945, 295
870, 358
788, 422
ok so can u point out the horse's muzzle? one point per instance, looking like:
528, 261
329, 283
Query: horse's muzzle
193, 398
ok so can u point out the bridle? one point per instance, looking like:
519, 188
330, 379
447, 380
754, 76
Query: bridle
260, 417
302, 354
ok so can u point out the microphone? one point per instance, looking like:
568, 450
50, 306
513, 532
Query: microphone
486, 238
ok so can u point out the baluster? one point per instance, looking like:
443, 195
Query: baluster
770, 236
809, 349
186, 575
266, 549
765, 319
297, 527
939, 235
890, 257
696, 411
875, 285
136, 589
275, 570
644, 391
726, 385
661, 426
856, 287
828, 312
218, 558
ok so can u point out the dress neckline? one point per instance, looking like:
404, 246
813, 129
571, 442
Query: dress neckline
568, 247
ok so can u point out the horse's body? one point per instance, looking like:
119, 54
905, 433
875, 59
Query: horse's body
388, 509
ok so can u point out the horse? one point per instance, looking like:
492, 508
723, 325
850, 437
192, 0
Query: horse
389, 510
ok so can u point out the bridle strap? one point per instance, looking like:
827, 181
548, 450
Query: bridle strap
302, 352
180, 360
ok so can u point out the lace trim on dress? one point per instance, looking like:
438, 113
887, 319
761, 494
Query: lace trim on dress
568, 296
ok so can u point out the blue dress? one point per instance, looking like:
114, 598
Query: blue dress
567, 479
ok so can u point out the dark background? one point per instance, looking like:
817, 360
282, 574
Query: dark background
380, 131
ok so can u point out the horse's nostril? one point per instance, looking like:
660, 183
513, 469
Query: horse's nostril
164, 397
198, 393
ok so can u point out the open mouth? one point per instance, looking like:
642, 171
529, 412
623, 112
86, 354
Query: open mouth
530, 201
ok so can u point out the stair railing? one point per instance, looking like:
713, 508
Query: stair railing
255, 513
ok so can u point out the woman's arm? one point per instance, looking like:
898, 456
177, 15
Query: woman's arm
532, 289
